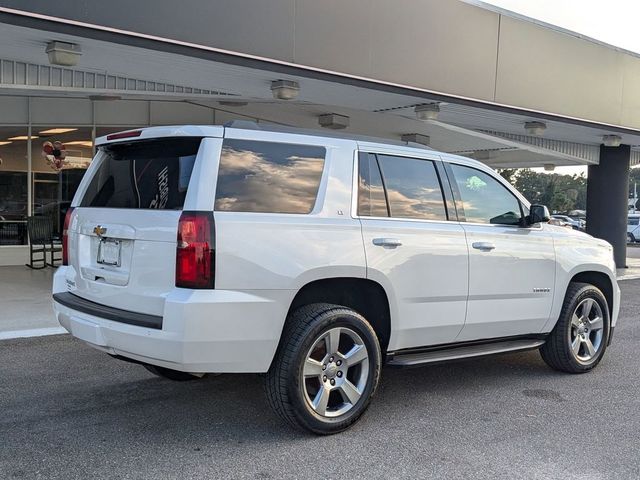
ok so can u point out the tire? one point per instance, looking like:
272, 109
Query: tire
169, 374
575, 329
316, 398
631, 238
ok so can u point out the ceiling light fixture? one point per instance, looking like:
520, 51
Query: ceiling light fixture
482, 155
429, 111
22, 137
535, 128
63, 53
5, 143
285, 89
57, 131
416, 138
612, 140
233, 103
334, 121
104, 98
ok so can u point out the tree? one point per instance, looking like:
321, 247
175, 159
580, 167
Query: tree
509, 174
560, 193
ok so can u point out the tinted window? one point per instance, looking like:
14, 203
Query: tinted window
150, 174
485, 199
371, 199
413, 189
633, 221
268, 177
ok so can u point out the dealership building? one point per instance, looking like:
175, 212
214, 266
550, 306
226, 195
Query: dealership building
458, 76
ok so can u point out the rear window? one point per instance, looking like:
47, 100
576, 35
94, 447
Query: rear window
151, 174
268, 177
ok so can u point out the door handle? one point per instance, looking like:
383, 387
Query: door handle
484, 246
387, 242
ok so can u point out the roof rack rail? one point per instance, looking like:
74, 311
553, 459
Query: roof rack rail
244, 124
252, 125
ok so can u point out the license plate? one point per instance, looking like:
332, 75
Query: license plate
109, 252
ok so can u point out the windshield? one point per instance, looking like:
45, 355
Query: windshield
152, 174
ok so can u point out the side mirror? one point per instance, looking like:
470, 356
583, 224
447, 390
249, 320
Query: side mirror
538, 214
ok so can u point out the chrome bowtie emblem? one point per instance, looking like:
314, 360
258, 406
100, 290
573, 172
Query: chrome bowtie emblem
100, 231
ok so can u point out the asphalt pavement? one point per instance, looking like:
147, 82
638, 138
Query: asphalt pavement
70, 412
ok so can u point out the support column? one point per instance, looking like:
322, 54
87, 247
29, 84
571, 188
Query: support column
607, 199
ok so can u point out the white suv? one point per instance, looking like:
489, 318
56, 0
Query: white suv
317, 260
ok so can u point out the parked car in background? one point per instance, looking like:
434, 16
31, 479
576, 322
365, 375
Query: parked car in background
575, 223
316, 259
633, 227
558, 222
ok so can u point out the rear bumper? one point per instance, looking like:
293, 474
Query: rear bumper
82, 305
201, 331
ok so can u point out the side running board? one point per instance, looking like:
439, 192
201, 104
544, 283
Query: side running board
456, 352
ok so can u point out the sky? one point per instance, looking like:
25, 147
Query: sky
615, 22
611, 21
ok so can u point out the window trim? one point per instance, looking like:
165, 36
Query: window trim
437, 163
460, 208
365, 157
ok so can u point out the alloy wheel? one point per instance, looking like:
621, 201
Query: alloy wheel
335, 372
587, 331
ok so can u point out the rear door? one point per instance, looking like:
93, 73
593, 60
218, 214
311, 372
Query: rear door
414, 246
122, 238
511, 268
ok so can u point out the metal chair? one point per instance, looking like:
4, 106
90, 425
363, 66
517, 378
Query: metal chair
41, 243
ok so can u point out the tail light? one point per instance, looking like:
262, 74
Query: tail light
195, 256
65, 236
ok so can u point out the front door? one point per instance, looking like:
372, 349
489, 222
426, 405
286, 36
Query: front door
511, 268
412, 250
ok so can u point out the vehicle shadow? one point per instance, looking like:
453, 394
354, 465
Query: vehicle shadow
124, 398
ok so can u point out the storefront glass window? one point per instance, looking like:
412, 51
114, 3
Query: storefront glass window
60, 156
13, 185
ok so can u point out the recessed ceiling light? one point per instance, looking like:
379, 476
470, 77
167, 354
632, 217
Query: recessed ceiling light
22, 137
233, 103
55, 131
82, 143
105, 98
5, 143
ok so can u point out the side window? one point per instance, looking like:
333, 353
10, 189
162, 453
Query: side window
371, 198
484, 199
633, 221
412, 187
268, 177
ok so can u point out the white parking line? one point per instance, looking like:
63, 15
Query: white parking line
634, 276
35, 332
